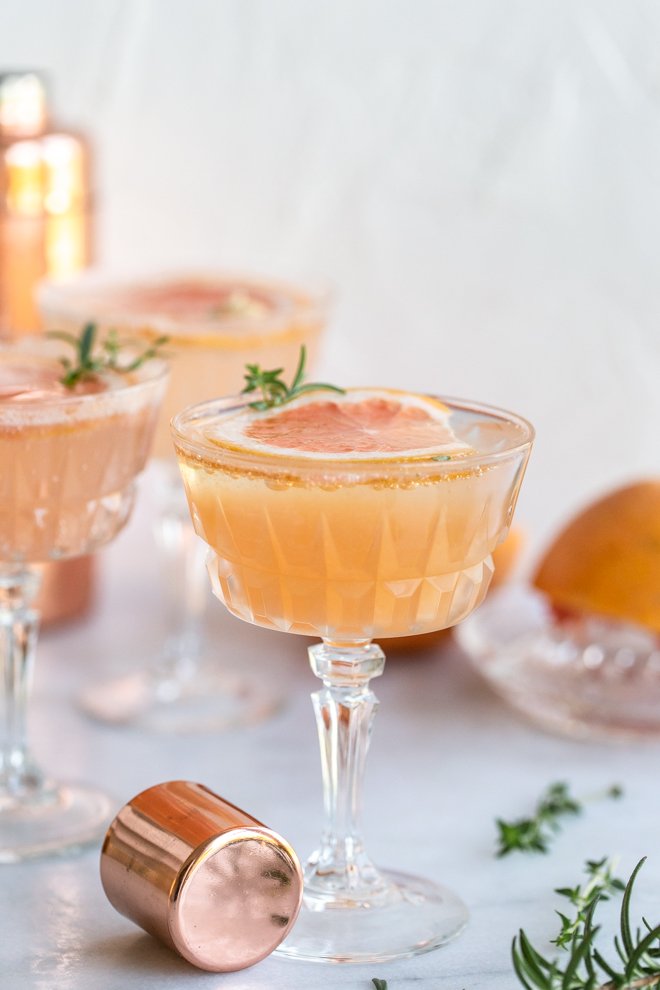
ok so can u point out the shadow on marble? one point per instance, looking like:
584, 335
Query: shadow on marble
140, 961
139, 954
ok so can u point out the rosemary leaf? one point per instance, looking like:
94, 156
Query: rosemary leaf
274, 391
93, 357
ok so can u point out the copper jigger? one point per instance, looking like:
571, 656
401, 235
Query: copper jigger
205, 878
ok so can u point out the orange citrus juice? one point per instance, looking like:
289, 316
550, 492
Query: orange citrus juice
214, 325
373, 515
68, 458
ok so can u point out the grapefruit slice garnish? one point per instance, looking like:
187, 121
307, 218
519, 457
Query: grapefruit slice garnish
360, 424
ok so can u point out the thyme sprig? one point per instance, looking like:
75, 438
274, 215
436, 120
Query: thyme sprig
637, 948
600, 885
534, 834
275, 392
92, 357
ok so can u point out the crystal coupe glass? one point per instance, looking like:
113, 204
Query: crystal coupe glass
215, 323
68, 462
352, 550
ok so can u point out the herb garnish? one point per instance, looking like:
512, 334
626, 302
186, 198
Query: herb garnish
92, 358
534, 834
586, 968
379, 984
599, 886
275, 392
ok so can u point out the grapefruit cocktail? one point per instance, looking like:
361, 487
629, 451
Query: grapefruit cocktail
214, 323
367, 514
68, 458
71, 444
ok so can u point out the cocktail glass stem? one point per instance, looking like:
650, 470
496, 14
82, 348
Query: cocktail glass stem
37, 816
345, 710
352, 911
19, 625
182, 555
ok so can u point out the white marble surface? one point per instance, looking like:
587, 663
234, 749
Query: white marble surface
447, 758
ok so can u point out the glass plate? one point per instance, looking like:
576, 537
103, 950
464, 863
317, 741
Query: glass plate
584, 677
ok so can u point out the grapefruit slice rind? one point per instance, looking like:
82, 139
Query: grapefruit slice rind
365, 424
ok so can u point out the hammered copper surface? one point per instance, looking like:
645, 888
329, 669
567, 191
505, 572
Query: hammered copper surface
207, 879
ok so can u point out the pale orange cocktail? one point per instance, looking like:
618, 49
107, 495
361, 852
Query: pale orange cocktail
350, 545
370, 514
68, 457
71, 445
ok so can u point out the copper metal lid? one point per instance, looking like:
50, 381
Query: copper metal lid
205, 878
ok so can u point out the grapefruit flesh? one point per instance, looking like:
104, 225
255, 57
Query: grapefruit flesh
360, 424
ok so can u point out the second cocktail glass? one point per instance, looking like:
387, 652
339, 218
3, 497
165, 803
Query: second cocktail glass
214, 323
353, 519
69, 457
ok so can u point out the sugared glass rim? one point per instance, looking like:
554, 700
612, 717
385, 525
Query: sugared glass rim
65, 299
154, 372
333, 463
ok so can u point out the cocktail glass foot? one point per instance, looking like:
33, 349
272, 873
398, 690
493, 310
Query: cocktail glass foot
401, 916
49, 819
207, 700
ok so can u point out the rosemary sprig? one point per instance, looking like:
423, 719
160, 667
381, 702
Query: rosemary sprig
275, 392
534, 834
91, 357
638, 949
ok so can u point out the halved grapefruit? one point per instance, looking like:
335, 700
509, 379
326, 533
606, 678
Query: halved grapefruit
606, 561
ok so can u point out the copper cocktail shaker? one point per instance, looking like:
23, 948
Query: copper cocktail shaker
45, 202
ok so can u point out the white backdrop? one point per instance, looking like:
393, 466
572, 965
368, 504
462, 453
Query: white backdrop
480, 180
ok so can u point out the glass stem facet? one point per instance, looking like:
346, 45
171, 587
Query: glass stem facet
340, 872
19, 625
182, 556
